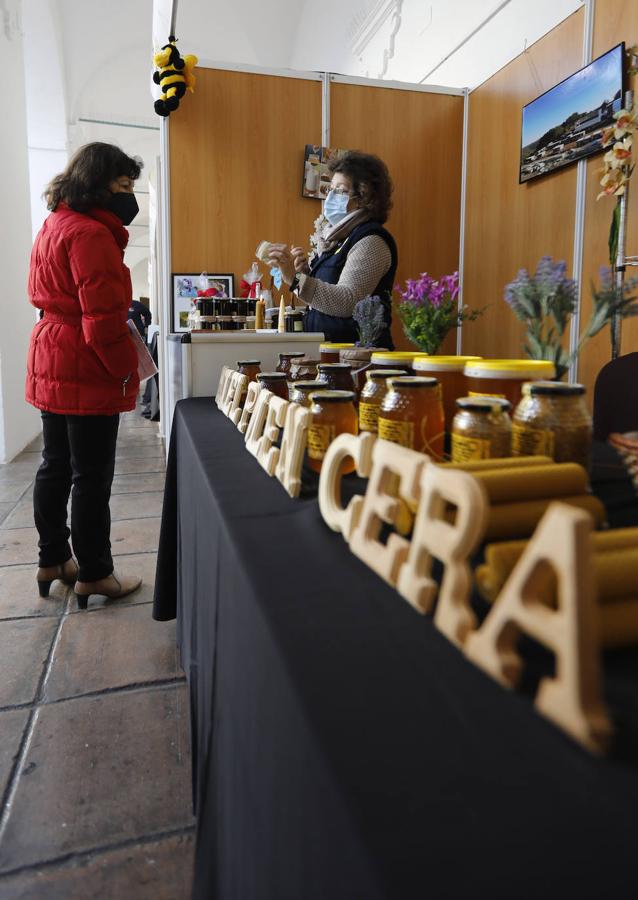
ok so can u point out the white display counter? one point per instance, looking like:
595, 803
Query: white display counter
195, 360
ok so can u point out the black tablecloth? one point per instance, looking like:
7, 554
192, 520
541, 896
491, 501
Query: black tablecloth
343, 749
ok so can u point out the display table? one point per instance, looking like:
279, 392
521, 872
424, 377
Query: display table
342, 748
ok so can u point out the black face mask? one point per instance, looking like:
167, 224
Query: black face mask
124, 205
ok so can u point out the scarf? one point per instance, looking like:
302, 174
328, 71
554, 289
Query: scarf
339, 232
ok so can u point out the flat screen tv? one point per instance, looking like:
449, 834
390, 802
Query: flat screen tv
565, 123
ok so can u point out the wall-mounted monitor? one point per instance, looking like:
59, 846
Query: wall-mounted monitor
565, 123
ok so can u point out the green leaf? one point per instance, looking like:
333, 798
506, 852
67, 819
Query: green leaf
613, 234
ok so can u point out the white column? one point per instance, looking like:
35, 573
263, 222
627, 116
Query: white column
19, 422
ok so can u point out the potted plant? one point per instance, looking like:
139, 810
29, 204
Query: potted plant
429, 309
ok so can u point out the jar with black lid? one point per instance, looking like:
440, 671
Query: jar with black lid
481, 429
336, 376
249, 367
552, 420
333, 413
286, 359
293, 321
275, 382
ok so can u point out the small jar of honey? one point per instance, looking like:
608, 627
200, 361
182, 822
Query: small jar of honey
411, 414
481, 429
335, 376
552, 420
333, 413
374, 390
300, 391
249, 367
329, 352
394, 359
275, 382
505, 377
285, 361
449, 372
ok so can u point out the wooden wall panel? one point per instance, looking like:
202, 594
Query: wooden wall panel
509, 226
419, 136
236, 148
615, 21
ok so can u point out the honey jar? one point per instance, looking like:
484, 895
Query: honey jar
335, 376
552, 420
505, 377
374, 390
394, 359
333, 413
329, 352
285, 361
249, 367
300, 391
449, 372
411, 414
275, 382
481, 429
293, 321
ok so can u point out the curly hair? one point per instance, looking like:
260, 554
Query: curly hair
371, 181
85, 181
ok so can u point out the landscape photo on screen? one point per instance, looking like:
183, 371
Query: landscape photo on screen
565, 124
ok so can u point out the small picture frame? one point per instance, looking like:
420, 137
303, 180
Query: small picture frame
185, 287
315, 179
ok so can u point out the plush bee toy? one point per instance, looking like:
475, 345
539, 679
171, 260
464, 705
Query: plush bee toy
175, 76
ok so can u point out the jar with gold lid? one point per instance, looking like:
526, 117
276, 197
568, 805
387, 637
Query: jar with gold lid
449, 372
329, 352
505, 377
300, 391
481, 429
374, 390
250, 367
286, 360
335, 376
333, 413
552, 420
275, 382
411, 414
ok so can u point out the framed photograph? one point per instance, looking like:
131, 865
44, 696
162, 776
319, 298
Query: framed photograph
185, 287
315, 181
566, 123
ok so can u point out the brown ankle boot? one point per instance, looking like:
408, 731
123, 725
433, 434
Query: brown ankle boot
113, 586
66, 572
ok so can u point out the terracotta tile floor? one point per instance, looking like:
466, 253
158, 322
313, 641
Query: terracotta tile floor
94, 728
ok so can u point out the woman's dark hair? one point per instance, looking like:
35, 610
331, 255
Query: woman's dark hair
85, 181
371, 181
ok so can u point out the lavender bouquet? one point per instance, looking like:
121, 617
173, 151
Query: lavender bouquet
429, 309
368, 314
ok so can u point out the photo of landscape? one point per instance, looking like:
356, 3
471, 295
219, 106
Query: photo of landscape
565, 124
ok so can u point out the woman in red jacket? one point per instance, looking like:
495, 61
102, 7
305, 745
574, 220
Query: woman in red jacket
82, 365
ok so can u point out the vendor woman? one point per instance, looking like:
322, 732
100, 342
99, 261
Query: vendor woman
360, 258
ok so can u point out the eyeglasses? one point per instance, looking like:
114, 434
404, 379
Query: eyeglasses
341, 189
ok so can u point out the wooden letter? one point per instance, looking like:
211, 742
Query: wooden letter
395, 474
293, 444
267, 455
256, 425
249, 405
221, 387
452, 543
572, 699
360, 449
236, 391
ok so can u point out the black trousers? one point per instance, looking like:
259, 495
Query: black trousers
79, 451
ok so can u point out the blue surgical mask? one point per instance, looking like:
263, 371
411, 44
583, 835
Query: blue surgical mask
336, 207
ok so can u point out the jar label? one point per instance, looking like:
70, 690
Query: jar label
319, 439
368, 417
485, 394
298, 325
465, 449
532, 441
398, 432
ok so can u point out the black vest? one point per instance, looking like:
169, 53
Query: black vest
328, 268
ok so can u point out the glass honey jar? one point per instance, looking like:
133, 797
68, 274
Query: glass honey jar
481, 429
552, 420
250, 367
286, 360
275, 382
411, 414
335, 376
449, 372
333, 413
329, 352
505, 377
300, 391
394, 359
374, 390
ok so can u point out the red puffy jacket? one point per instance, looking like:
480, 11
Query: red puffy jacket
82, 359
